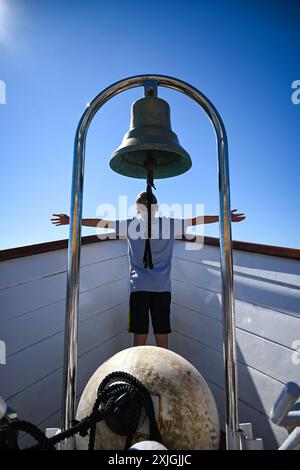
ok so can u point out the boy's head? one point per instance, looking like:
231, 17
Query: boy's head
141, 204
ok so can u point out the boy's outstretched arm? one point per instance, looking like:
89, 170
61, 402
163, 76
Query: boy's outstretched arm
210, 219
63, 219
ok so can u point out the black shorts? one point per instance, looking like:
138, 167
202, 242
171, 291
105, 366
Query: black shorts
159, 305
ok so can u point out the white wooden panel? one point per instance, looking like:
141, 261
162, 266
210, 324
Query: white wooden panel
29, 268
24, 298
247, 288
209, 364
186, 251
43, 358
263, 355
197, 298
23, 331
97, 252
268, 357
93, 359
196, 273
200, 327
26, 330
256, 389
269, 324
273, 268
97, 274
22, 270
52, 421
262, 426
266, 294
98, 329
103, 297
40, 401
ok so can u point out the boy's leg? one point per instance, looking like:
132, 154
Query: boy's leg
160, 315
138, 321
139, 340
162, 340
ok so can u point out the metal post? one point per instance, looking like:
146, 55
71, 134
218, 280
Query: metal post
72, 300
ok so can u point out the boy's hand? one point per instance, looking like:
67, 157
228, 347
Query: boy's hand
237, 217
60, 219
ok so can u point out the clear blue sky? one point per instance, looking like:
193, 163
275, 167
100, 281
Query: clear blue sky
55, 56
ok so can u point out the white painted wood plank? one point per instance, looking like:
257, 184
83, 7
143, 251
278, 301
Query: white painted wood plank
93, 359
263, 427
97, 274
42, 399
197, 326
52, 421
23, 270
204, 252
255, 389
41, 359
22, 332
266, 294
270, 324
26, 269
98, 252
103, 297
268, 357
273, 268
263, 355
197, 298
260, 390
24, 298
209, 364
251, 289
196, 273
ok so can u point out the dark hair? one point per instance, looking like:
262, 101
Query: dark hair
142, 198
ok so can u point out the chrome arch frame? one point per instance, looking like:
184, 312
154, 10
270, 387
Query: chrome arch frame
233, 434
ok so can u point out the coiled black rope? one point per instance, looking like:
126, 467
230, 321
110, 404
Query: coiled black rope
120, 406
48, 443
8, 435
132, 396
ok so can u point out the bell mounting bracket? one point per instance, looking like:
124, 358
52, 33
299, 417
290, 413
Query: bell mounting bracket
150, 88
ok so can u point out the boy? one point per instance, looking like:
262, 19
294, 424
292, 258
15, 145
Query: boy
150, 289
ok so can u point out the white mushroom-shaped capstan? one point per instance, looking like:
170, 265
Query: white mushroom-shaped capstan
186, 411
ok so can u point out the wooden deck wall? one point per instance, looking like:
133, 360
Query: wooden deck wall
32, 299
267, 304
